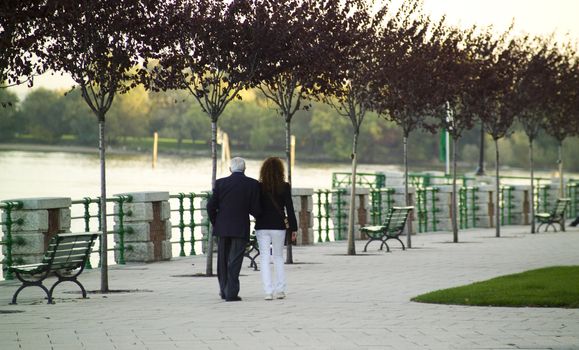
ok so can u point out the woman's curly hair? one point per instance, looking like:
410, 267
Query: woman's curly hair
272, 176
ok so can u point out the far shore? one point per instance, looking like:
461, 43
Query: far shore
27, 147
121, 150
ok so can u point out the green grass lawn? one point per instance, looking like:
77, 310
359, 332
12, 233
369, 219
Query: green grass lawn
549, 287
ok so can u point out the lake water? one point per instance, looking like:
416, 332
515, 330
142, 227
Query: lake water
77, 175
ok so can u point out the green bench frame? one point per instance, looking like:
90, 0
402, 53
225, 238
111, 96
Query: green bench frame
556, 216
391, 229
252, 251
66, 252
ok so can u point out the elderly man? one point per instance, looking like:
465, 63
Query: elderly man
234, 198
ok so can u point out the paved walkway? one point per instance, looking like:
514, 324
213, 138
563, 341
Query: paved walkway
334, 302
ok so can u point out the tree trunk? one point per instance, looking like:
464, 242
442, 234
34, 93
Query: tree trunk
213, 151
209, 262
351, 216
497, 203
103, 205
406, 196
289, 253
561, 177
453, 208
532, 194
481, 157
288, 149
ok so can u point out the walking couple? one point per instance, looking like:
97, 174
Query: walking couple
236, 197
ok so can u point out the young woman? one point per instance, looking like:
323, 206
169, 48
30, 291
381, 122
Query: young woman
270, 226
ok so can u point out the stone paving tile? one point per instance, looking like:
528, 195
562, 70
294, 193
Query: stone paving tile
334, 302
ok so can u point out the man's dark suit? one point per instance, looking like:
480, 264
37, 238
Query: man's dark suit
233, 199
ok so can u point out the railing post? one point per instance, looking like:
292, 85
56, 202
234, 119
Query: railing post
434, 190
572, 194
526, 207
376, 211
341, 214
192, 222
319, 215
462, 207
474, 206
421, 211
86, 217
181, 225
327, 216
86, 214
8, 240
121, 226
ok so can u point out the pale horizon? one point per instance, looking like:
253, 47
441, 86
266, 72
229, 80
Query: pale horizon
538, 17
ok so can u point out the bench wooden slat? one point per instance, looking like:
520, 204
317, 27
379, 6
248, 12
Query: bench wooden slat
73, 259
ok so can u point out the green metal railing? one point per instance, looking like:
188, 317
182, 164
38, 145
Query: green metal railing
573, 194
543, 198
189, 205
87, 217
8, 208
91, 211
374, 181
427, 210
506, 204
121, 231
329, 214
467, 207
381, 201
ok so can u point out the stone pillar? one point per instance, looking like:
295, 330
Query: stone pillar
485, 201
519, 205
42, 218
361, 211
147, 227
303, 207
443, 207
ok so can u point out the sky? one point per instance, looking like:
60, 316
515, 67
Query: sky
531, 16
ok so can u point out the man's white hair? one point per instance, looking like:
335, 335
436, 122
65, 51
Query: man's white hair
237, 165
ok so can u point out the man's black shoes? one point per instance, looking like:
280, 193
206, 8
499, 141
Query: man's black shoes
233, 299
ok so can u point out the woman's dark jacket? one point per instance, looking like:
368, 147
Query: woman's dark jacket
271, 217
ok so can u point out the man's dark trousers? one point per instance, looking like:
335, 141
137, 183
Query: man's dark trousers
229, 261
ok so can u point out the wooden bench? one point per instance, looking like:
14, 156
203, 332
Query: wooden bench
556, 216
66, 253
391, 229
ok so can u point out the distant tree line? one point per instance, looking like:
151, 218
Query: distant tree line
50, 117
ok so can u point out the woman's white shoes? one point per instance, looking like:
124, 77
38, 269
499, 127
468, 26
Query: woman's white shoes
280, 295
